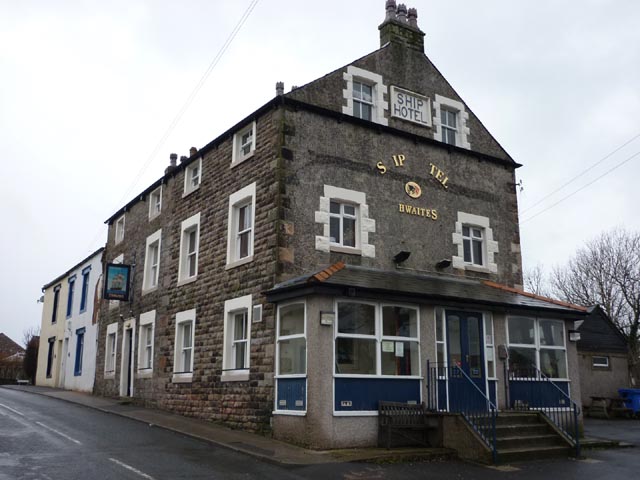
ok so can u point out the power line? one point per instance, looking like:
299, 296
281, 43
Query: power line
580, 174
184, 107
581, 188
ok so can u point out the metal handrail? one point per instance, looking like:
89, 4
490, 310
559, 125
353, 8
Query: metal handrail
565, 419
482, 421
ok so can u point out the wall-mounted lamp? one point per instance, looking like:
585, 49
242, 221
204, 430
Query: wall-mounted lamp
574, 336
401, 257
442, 264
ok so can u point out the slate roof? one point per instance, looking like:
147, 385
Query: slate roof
8, 347
599, 334
351, 280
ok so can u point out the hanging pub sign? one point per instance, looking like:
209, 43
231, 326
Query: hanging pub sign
116, 286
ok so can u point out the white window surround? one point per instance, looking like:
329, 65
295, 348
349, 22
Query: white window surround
151, 273
187, 226
114, 303
364, 224
378, 87
183, 373
192, 177
242, 197
110, 349
119, 227
155, 203
238, 151
490, 246
235, 305
462, 118
600, 361
146, 344
293, 336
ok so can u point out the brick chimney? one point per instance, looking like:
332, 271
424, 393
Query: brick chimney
173, 158
401, 26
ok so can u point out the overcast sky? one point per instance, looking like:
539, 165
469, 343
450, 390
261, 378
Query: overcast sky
89, 88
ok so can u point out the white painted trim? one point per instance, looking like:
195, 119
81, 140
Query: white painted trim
231, 306
237, 157
364, 223
129, 324
462, 118
153, 214
379, 89
188, 188
189, 223
183, 317
290, 413
489, 245
236, 199
147, 318
118, 235
146, 275
112, 329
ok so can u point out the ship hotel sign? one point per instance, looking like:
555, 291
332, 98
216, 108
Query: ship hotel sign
413, 189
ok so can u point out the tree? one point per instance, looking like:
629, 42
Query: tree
535, 282
606, 272
31, 340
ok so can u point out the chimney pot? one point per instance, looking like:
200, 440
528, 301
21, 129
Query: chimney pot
391, 10
173, 158
183, 158
413, 17
279, 88
193, 151
402, 13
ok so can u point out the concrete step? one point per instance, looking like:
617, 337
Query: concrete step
510, 455
530, 441
510, 418
524, 430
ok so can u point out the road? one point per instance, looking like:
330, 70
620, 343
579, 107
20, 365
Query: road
45, 438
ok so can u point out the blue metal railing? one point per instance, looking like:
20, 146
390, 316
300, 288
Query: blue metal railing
531, 389
466, 399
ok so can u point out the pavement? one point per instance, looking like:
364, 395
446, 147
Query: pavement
599, 433
259, 446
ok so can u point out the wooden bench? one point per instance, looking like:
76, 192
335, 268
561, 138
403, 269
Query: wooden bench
403, 419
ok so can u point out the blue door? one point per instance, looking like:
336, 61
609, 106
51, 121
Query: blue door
465, 349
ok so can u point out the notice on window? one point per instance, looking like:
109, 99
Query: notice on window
399, 349
387, 347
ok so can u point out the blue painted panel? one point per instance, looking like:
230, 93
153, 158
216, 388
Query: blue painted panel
537, 394
442, 395
292, 394
365, 393
492, 391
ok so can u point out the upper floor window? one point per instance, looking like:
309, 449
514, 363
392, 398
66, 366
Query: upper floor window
155, 203
364, 95
346, 225
152, 261
473, 240
56, 302
119, 229
241, 226
72, 284
342, 223
85, 288
192, 176
189, 246
473, 244
450, 122
244, 144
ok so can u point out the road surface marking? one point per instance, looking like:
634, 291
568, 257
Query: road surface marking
59, 433
14, 411
130, 468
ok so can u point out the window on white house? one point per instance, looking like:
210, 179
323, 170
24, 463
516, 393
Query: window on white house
342, 224
600, 362
145, 346
362, 100
364, 95
291, 340
56, 302
85, 288
152, 261
70, 292
377, 339
155, 203
189, 246
183, 355
119, 235
192, 176
241, 229
448, 119
244, 144
237, 339
110, 350
473, 244
536, 344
